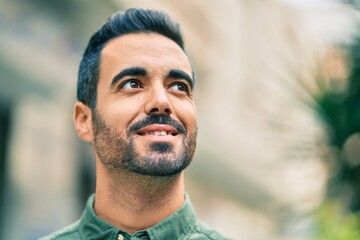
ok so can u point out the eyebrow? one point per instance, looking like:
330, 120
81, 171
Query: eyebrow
131, 71
179, 74
140, 71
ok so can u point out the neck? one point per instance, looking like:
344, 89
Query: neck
133, 202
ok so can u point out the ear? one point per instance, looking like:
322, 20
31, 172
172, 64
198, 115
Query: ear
83, 122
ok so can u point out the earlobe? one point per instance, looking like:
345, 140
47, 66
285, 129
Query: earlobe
82, 121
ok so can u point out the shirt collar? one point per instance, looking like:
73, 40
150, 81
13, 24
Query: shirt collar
92, 227
176, 225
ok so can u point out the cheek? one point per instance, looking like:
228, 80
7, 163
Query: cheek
186, 112
124, 112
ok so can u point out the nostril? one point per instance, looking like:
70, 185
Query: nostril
158, 111
154, 110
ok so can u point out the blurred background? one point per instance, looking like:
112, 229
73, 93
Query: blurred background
278, 98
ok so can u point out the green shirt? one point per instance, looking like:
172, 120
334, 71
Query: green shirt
181, 225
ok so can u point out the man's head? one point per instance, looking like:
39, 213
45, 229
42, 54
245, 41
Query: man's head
135, 95
121, 23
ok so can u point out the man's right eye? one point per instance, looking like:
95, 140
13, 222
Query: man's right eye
129, 84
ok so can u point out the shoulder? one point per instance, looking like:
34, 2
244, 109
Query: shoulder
203, 232
69, 232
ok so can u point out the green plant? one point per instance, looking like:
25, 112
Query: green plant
333, 224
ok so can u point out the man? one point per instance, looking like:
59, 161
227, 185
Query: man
136, 107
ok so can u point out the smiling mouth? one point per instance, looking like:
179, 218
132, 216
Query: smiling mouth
157, 133
158, 130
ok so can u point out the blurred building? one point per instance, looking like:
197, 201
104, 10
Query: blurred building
258, 170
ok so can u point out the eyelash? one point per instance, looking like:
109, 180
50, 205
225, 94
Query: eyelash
121, 86
187, 89
184, 85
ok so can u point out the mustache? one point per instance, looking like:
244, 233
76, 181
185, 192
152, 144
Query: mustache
157, 119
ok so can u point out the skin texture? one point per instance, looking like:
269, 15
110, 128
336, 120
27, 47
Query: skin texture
145, 109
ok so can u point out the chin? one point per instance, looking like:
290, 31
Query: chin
161, 147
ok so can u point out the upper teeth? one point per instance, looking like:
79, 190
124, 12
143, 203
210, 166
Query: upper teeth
157, 133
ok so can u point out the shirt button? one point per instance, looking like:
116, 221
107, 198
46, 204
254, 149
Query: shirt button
120, 237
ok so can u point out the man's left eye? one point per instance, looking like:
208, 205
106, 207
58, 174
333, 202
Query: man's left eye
182, 87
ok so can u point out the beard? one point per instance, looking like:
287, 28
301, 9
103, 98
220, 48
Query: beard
119, 152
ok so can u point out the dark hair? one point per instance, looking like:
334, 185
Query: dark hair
131, 21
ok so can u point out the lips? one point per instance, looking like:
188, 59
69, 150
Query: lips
155, 125
156, 133
157, 130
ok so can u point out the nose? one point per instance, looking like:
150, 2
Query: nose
158, 101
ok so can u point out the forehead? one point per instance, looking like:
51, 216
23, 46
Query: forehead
149, 50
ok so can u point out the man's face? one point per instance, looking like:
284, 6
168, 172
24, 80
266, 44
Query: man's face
145, 117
